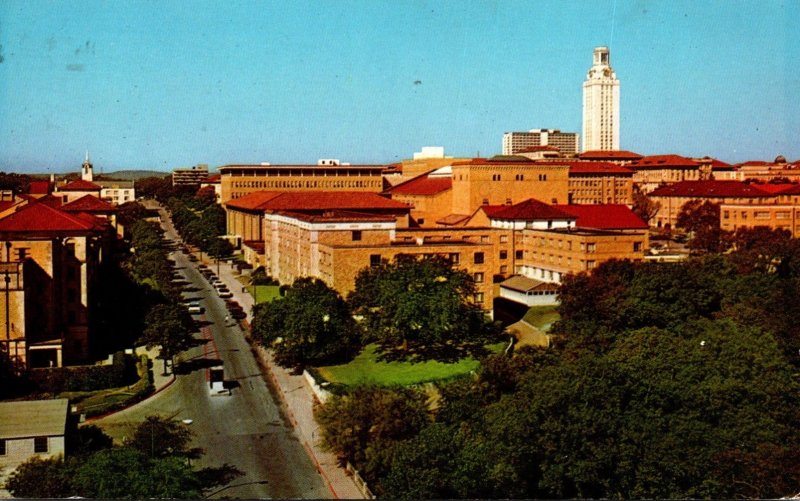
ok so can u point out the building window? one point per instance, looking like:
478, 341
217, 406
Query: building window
519, 254
454, 257
503, 254
375, 260
40, 444
590, 265
22, 253
479, 298
726, 214
478, 258
356, 235
421, 221
504, 269
591, 247
503, 239
484, 238
478, 277
2, 447
761, 215
637, 246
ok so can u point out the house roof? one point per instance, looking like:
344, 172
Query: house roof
776, 187
33, 418
88, 203
662, 161
80, 185
453, 219
525, 284
496, 160
39, 217
530, 209
316, 201
609, 155
215, 179
544, 147
425, 185
39, 187
710, 189
604, 216
578, 168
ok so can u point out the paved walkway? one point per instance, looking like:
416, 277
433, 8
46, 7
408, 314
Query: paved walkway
297, 396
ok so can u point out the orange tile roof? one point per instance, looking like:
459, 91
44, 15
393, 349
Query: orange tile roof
453, 219
422, 185
37, 217
529, 210
662, 161
337, 216
88, 203
710, 189
604, 216
610, 154
80, 185
315, 201
39, 187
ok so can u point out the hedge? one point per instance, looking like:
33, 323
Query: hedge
121, 372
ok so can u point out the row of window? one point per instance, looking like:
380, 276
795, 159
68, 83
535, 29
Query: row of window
783, 214
307, 184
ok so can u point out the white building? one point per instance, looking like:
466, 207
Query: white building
601, 105
515, 142
115, 192
31, 428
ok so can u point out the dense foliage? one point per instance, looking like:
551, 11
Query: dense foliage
154, 464
310, 325
201, 222
665, 380
421, 307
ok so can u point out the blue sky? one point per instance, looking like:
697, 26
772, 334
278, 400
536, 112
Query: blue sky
163, 84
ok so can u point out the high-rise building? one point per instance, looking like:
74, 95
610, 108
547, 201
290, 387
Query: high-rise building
601, 105
515, 142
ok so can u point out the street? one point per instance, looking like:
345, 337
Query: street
246, 428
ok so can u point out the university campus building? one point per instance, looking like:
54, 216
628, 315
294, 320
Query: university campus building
601, 104
567, 143
480, 214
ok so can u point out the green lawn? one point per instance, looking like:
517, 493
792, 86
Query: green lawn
542, 317
366, 369
263, 293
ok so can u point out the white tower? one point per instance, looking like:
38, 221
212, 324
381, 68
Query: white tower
86, 169
601, 105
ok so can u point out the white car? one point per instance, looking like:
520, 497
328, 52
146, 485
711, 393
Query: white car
225, 294
195, 308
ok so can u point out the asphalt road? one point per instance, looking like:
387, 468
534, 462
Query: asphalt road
245, 429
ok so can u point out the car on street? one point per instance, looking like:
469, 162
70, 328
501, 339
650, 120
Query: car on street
195, 308
225, 294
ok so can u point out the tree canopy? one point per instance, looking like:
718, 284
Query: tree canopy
169, 327
310, 325
421, 307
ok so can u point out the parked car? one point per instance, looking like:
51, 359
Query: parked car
195, 308
226, 293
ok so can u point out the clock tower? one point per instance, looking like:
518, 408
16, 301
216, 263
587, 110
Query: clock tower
601, 104
86, 169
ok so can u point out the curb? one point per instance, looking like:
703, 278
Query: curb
156, 392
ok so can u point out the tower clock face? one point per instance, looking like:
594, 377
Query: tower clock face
606, 72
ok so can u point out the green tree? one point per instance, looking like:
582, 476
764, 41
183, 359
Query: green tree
310, 325
158, 437
359, 423
169, 327
701, 220
40, 478
421, 306
643, 206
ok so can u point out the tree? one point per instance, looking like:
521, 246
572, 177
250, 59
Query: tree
354, 424
701, 220
312, 324
40, 478
170, 327
421, 306
158, 437
643, 206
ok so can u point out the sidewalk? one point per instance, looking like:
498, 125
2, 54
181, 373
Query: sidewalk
297, 397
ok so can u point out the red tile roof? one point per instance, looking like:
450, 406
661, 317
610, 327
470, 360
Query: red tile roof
215, 179
452, 219
39, 187
498, 160
775, 187
37, 217
604, 216
662, 161
423, 185
530, 210
316, 201
88, 203
710, 189
609, 155
491, 210
80, 185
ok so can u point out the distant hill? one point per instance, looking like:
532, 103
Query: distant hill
131, 175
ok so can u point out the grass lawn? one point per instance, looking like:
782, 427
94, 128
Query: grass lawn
541, 317
366, 369
263, 293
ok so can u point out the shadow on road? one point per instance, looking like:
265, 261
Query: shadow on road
196, 364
